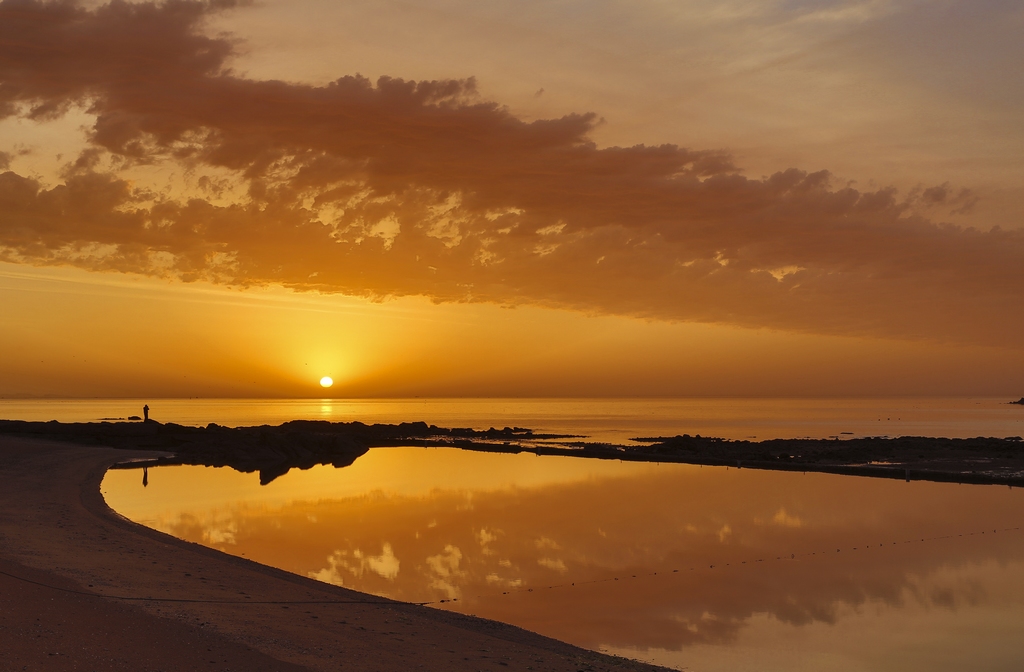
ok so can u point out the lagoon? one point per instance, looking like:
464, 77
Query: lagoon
704, 568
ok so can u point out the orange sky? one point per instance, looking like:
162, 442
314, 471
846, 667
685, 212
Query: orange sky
611, 198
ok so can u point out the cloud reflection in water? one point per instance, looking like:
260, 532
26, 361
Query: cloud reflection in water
633, 556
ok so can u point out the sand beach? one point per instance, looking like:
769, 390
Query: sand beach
82, 588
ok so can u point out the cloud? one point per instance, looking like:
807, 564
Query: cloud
960, 201
422, 188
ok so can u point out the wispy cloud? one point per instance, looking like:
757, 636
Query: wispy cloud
423, 188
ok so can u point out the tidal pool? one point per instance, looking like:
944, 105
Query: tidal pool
697, 568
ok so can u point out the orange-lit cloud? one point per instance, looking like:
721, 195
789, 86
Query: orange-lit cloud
422, 188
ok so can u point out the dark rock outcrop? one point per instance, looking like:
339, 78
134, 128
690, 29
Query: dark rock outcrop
274, 450
270, 450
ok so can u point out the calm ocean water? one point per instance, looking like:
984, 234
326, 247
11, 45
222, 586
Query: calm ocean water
614, 420
700, 568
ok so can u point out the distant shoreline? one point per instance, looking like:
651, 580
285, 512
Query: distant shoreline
274, 450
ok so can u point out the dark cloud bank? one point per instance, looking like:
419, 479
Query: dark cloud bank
421, 188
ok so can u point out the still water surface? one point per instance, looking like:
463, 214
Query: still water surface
699, 568
612, 420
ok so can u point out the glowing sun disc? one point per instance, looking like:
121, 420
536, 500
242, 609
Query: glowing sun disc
326, 381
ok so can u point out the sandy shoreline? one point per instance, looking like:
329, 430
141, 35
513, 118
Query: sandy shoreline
62, 550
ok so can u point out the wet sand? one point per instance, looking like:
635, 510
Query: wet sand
66, 559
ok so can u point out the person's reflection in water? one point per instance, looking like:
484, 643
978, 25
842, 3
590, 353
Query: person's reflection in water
145, 476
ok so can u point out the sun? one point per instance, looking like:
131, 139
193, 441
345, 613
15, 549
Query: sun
326, 381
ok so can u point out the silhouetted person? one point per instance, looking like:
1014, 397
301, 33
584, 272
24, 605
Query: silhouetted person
145, 413
145, 476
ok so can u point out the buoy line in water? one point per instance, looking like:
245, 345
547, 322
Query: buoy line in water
721, 565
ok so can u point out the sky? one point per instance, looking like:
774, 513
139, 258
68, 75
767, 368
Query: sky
561, 198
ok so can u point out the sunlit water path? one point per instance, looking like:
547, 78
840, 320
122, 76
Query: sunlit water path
702, 568
613, 420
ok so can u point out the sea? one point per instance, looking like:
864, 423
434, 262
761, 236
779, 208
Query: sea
711, 569
604, 420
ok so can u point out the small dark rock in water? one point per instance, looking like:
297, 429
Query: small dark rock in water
1019, 401
134, 417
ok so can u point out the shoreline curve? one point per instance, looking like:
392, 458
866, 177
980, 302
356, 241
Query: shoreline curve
66, 557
